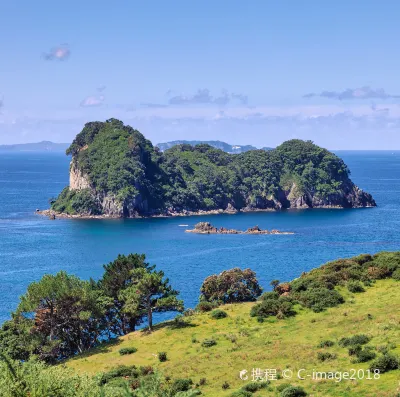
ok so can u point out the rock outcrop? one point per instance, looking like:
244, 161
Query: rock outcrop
208, 228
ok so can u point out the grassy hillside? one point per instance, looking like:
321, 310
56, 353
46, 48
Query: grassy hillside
245, 343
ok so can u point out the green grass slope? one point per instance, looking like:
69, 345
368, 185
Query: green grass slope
244, 343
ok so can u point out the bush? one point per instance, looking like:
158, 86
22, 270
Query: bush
162, 357
127, 350
326, 343
117, 372
385, 363
181, 385
206, 306
396, 275
242, 393
218, 314
281, 307
225, 385
234, 285
255, 386
364, 355
355, 286
293, 391
325, 356
353, 350
354, 340
208, 342
318, 299
283, 386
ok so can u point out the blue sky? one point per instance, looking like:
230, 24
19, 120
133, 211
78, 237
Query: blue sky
257, 72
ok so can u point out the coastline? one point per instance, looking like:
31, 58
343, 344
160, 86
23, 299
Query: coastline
54, 215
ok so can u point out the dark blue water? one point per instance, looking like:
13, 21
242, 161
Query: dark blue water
31, 246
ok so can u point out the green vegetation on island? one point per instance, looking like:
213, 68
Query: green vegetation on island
116, 172
349, 304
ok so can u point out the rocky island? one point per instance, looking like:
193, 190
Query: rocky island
208, 228
116, 172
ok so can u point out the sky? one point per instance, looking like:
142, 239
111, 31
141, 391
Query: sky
245, 72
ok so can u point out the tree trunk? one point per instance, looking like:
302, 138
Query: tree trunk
150, 318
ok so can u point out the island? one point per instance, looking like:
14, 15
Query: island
116, 172
208, 228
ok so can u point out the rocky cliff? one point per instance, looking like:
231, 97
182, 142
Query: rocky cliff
116, 172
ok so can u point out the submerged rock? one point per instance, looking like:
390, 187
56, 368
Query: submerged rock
208, 228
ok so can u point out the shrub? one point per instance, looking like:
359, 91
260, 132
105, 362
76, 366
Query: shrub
181, 385
208, 342
353, 350
146, 370
326, 343
206, 306
354, 340
255, 386
319, 299
281, 307
162, 357
355, 286
241, 393
218, 314
117, 372
189, 312
234, 285
293, 391
283, 386
225, 385
385, 363
396, 275
127, 350
325, 356
364, 355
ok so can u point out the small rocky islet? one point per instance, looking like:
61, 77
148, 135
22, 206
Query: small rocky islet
208, 228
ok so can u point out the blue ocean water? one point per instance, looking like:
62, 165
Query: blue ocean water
31, 246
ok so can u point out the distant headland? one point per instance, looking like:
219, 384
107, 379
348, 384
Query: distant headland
44, 146
116, 172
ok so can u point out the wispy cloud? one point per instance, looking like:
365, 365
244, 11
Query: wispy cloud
153, 105
59, 53
92, 101
365, 92
203, 96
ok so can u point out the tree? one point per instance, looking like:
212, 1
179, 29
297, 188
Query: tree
64, 315
234, 285
274, 284
149, 293
119, 275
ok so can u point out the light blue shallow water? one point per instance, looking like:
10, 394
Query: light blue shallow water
31, 246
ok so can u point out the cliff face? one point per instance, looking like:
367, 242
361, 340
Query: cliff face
349, 197
77, 179
116, 172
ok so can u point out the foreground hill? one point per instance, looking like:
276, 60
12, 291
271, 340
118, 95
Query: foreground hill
116, 172
244, 343
226, 147
44, 146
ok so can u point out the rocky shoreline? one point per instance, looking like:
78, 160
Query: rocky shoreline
170, 213
208, 228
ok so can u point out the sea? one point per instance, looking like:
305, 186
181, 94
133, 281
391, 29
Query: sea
32, 245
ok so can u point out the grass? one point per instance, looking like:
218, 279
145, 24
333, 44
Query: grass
244, 343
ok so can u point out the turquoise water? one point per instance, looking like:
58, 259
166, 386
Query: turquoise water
31, 246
